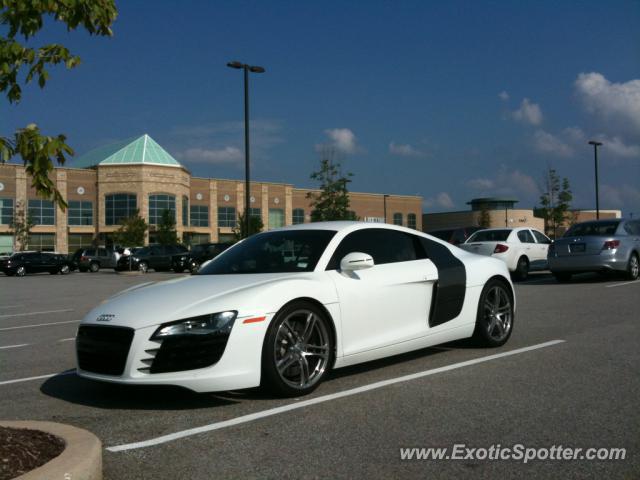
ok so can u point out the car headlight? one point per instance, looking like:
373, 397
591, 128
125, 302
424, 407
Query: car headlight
220, 322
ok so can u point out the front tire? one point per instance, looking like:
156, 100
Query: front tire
298, 350
94, 267
21, 271
633, 269
143, 267
65, 269
494, 320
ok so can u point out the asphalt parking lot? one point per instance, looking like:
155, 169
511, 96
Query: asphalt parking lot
580, 392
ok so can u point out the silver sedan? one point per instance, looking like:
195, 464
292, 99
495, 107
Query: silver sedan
597, 246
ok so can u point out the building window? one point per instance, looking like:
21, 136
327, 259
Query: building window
80, 213
118, 207
226, 217
185, 211
411, 220
298, 216
45, 242
157, 206
199, 216
192, 238
397, 218
42, 212
276, 217
80, 240
255, 213
6, 211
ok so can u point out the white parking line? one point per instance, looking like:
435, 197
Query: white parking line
66, 339
39, 325
14, 346
10, 306
35, 313
624, 283
324, 398
39, 377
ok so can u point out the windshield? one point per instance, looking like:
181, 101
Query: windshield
489, 236
592, 229
272, 252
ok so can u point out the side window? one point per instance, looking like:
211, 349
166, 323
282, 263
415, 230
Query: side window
385, 246
525, 236
102, 252
155, 250
541, 238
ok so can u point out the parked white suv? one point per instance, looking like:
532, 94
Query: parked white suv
522, 249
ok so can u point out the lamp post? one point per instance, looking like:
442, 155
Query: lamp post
384, 201
595, 155
247, 192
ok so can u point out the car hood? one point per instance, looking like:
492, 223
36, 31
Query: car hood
151, 303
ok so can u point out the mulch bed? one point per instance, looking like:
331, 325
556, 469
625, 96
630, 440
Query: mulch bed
22, 450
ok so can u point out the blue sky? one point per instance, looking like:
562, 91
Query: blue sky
448, 100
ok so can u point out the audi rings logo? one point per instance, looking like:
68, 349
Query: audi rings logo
105, 317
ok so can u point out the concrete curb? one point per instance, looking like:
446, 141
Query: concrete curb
132, 272
80, 460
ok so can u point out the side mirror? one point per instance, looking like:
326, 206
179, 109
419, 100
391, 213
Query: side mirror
356, 261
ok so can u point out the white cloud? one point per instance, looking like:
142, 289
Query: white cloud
480, 183
616, 146
404, 150
528, 113
503, 95
214, 156
441, 200
342, 139
620, 196
546, 142
618, 102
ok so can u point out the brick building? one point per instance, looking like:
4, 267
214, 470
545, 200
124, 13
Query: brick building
110, 183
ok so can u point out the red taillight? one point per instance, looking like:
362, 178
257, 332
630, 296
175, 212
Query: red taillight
611, 244
500, 248
83, 258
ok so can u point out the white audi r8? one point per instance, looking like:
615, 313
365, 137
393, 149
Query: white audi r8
282, 308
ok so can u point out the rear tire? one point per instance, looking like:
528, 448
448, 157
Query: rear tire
633, 269
298, 350
494, 320
21, 271
65, 269
562, 277
522, 269
94, 267
143, 267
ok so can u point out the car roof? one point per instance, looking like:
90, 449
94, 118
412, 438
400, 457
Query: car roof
344, 226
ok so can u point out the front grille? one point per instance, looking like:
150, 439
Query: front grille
103, 349
188, 352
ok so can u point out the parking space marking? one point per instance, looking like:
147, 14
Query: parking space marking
39, 325
324, 398
35, 313
10, 306
39, 377
624, 283
14, 346
66, 339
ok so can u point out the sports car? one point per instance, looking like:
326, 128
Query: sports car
282, 308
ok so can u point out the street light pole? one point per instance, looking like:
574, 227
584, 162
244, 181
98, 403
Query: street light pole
384, 197
247, 186
595, 155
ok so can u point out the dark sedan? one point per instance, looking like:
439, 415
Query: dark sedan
197, 256
21, 263
156, 257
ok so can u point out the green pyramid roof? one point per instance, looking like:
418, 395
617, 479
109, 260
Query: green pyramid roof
141, 150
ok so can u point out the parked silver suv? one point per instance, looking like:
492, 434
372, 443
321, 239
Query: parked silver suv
597, 246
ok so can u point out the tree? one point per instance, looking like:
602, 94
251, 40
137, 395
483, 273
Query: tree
20, 228
555, 202
25, 18
166, 231
255, 226
484, 220
332, 202
132, 230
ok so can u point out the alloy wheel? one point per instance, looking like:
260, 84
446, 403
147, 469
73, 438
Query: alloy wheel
634, 267
143, 267
301, 349
20, 271
498, 313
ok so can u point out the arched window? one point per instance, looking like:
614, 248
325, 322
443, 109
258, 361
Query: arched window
411, 220
397, 218
118, 207
158, 203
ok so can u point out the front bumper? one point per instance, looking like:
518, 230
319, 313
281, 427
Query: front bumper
587, 263
238, 367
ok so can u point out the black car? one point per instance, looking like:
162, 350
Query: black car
157, 257
197, 256
455, 236
21, 263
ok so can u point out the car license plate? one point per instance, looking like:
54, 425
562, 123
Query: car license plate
577, 248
